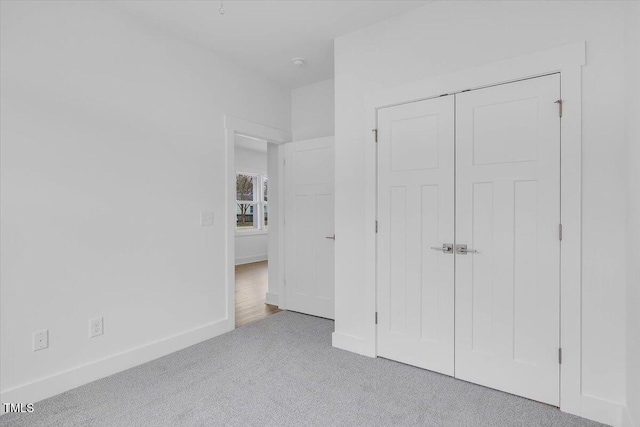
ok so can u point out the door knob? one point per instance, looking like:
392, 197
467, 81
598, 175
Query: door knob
331, 237
462, 250
446, 248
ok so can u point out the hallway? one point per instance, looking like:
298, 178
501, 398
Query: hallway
251, 288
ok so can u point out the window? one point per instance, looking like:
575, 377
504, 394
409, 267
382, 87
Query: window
265, 187
251, 199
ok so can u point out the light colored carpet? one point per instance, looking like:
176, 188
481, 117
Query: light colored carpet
282, 371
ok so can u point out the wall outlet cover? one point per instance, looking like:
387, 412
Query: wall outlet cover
41, 340
96, 327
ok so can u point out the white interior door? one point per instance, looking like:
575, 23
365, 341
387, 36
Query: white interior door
309, 227
415, 215
508, 210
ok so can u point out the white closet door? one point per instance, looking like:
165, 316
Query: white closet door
508, 209
309, 227
415, 213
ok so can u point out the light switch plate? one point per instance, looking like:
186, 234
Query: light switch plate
41, 340
206, 219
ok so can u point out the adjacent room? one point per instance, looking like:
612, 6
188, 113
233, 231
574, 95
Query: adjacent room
320, 213
252, 228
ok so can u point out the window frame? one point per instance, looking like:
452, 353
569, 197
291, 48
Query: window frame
258, 202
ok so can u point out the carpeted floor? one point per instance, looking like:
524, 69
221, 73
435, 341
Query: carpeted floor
282, 371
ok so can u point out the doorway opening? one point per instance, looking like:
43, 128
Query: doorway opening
252, 218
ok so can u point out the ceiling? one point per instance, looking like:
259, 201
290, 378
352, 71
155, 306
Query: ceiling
267, 35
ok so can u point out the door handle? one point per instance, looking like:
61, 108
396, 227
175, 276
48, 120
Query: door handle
446, 248
331, 237
462, 250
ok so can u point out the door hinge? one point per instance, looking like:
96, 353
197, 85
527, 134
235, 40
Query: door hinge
559, 231
376, 317
559, 102
560, 356
376, 226
375, 134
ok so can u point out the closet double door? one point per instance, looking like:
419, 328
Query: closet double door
468, 252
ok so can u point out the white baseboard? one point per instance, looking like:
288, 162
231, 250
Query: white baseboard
75, 377
592, 408
602, 411
626, 418
250, 259
272, 298
351, 343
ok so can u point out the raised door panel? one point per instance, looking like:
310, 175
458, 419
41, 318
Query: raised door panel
415, 212
508, 210
309, 220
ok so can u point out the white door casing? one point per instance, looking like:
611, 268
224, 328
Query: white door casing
508, 209
309, 227
568, 62
415, 213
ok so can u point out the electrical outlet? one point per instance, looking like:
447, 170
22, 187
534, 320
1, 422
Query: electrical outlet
206, 219
41, 340
96, 327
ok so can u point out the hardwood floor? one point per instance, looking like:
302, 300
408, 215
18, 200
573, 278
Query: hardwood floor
251, 288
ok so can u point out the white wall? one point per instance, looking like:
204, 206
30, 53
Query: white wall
443, 37
313, 111
632, 83
251, 246
112, 144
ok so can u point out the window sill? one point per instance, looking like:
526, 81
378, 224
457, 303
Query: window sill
240, 233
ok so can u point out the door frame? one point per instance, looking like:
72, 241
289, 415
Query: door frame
568, 62
234, 126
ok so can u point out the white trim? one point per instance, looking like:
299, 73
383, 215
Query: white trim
75, 377
251, 232
282, 174
602, 411
626, 418
233, 126
271, 298
250, 259
256, 131
568, 61
276, 266
351, 343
